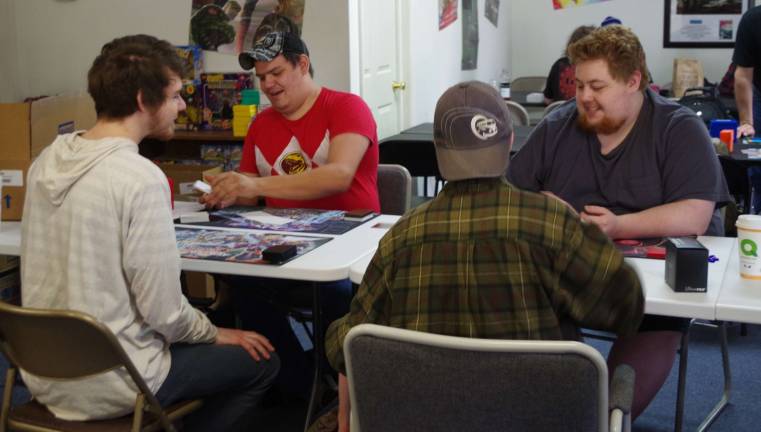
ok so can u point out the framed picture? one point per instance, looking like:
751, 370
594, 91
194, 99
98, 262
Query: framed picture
702, 23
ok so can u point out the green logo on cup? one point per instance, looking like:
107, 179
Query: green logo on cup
749, 248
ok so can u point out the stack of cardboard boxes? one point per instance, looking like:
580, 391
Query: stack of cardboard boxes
25, 130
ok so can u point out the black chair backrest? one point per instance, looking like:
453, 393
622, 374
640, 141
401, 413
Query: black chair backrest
705, 102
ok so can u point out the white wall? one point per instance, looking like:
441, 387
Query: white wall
54, 42
434, 56
8, 68
538, 35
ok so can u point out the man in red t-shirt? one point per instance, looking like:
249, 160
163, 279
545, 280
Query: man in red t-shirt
314, 148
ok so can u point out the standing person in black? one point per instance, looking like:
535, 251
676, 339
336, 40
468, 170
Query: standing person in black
561, 82
747, 57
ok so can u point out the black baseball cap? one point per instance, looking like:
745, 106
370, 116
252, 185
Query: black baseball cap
270, 46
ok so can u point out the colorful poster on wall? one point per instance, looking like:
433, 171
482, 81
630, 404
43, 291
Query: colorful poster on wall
228, 26
469, 34
562, 4
447, 13
703, 23
491, 11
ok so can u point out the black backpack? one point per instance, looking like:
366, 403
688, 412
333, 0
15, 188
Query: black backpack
705, 102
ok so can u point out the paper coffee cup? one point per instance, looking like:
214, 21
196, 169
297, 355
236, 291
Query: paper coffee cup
749, 245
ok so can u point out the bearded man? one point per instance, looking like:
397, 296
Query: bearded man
633, 163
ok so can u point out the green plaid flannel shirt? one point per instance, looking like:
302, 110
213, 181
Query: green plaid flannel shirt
485, 259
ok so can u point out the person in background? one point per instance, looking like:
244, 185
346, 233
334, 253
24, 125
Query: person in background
610, 20
98, 237
561, 82
727, 83
633, 163
496, 262
747, 57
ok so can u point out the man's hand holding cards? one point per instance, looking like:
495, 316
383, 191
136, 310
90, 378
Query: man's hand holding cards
202, 186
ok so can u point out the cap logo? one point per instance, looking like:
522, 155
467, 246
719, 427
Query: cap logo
483, 127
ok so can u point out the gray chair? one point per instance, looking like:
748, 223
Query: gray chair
394, 189
528, 84
549, 108
66, 345
518, 113
402, 380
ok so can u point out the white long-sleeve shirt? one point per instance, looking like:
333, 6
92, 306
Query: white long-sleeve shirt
97, 237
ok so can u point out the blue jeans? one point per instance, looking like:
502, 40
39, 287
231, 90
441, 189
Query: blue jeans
261, 304
19, 393
226, 377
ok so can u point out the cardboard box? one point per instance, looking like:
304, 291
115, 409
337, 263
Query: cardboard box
199, 285
185, 175
25, 130
13, 175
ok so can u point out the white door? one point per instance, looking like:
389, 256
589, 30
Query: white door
381, 84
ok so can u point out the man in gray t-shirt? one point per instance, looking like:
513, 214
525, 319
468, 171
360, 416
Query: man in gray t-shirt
664, 162
633, 163
654, 175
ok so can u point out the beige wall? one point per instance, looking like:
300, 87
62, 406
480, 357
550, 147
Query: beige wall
55, 41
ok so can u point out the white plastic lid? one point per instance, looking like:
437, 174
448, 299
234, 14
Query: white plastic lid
749, 222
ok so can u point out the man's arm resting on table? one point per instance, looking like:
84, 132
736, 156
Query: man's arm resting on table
680, 218
346, 153
744, 100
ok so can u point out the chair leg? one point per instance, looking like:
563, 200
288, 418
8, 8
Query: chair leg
724, 401
319, 349
10, 377
137, 416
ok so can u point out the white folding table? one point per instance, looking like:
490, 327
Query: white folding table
740, 299
328, 262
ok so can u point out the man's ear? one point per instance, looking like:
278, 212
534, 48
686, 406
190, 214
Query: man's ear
635, 80
304, 64
140, 105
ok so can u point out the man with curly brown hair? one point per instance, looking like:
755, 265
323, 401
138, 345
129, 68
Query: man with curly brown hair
633, 163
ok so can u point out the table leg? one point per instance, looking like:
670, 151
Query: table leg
724, 401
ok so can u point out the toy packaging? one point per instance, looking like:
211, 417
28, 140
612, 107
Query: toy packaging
190, 119
221, 91
213, 152
192, 59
